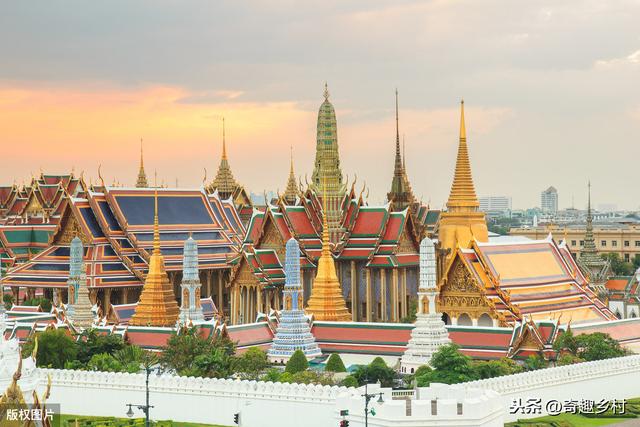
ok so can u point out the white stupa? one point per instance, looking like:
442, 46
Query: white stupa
430, 332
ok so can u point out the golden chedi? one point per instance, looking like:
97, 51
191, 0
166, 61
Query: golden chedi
157, 305
326, 301
462, 221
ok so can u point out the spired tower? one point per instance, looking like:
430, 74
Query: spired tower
326, 301
79, 305
292, 190
400, 195
142, 176
190, 285
462, 221
327, 175
595, 268
157, 305
293, 332
430, 332
224, 182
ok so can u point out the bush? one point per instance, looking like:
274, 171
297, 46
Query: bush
105, 363
496, 368
272, 375
449, 367
334, 364
568, 359
535, 362
251, 363
349, 381
297, 363
376, 371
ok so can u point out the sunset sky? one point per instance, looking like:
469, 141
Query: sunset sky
551, 89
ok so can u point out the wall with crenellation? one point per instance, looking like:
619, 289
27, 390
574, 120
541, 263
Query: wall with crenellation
608, 379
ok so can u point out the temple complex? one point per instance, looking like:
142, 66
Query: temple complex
293, 331
487, 282
227, 187
326, 169
116, 228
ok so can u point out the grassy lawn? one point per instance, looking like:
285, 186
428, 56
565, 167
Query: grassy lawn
70, 421
566, 420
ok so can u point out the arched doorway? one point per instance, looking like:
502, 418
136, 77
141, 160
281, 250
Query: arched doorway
464, 320
485, 320
446, 319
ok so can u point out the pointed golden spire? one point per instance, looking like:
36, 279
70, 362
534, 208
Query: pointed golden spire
463, 194
142, 176
462, 222
326, 91
326, 301
224, 142
292, 189
157, 305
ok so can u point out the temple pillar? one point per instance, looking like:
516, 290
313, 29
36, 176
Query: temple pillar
474, 321
220, 301
405, 308
383, 295
15, 291
367, 274
354, 292
123, 295
259, 299
454, 321
495, 323
31, 293
394, 295
106, 302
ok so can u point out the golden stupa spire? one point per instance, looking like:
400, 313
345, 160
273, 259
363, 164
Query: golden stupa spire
142, 176
157, 305
463, 194
224, 142
292, 190
462, 222
326, 301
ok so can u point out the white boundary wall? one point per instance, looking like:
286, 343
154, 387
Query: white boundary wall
201, 400
608, 379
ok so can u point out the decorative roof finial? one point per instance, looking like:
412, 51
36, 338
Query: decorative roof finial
142, 176
463, 130
224, 142
156, 226
326, 91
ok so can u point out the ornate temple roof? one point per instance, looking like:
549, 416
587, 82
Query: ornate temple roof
292, 190
224, 181
535, 279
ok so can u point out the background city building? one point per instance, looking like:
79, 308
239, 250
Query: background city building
549, 200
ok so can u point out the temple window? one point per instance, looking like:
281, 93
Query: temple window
626, 243
573, 243
603, 243
614, 243
434, 407
464, 320
459, 408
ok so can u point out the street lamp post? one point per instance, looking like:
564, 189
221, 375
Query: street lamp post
146, 407
367, 398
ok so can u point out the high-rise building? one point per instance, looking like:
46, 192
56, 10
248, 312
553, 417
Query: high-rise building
495, 204
549, 200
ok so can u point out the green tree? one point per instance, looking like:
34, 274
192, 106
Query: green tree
251, 363
619, 267
349, 381
7, 299
55, 348
44, 303
598, 346
105, 363
93, 342
449, 367
272, 375
495, 368
311, 377
297, 363
566, 342
188, 353
535, 362
376, 371
568, 359
335, 364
